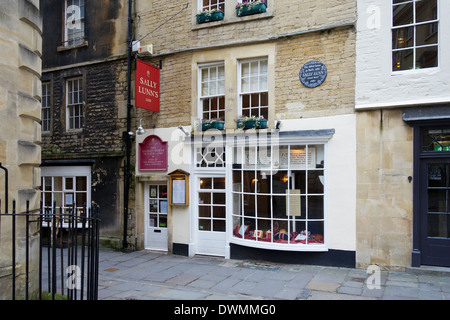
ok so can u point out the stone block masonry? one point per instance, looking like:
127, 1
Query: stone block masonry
384, 193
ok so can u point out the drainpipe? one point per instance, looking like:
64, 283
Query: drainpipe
6, 187
126, 135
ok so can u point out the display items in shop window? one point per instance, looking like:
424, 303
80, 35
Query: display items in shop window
278, 235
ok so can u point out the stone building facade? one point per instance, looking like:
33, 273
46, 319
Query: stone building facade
301, 208
20, 130
84, 81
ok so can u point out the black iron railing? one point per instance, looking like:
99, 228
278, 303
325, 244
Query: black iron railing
49, 254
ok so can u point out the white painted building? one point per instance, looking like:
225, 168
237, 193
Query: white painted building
403, 132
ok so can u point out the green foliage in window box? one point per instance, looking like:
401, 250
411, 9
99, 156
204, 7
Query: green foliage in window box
251, 122
247, 8
205, 124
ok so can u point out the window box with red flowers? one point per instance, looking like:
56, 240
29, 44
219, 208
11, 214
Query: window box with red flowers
251, 7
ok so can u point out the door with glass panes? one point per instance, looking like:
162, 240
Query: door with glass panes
156, 235
211, 218
435, 210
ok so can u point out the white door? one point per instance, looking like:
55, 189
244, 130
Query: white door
211, 217
156, 235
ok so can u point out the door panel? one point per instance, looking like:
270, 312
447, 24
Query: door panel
156, 234
435, 211
211, 218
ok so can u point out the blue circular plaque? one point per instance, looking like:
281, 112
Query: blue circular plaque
313, 74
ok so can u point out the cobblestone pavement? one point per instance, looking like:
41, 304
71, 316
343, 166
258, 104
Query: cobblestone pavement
147, 275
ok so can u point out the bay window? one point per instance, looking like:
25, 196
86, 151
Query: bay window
279, 195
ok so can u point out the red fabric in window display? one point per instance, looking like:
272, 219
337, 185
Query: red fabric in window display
279, 237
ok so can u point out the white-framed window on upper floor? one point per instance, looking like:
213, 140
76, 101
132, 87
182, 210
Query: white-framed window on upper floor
253, 88
415, 34
74, 22
46, 110
212, 91
74, 103
208, 5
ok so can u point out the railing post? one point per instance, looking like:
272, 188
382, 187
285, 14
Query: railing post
27, 248
13, 257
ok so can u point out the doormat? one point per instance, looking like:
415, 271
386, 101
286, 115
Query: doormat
258, 266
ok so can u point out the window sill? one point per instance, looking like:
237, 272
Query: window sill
430, 71
279, 246
234, 19
75, 46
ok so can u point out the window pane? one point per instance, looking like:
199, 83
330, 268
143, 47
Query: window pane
249, 205
219, 183
426, 10
204, 211
402, 60
439, 225
279, 206
315, 181
263, 206
316, 232
205, 183
437, 176
437, 200
280, 182
204, 224
426, 35
219, 212
403, 14
204, 198
427, 57
218, 198
162, 221
402, 38
315, 207
219, 225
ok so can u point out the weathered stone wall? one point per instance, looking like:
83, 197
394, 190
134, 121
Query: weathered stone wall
105, 91
20, 130
336, 49
384, 193
282, 17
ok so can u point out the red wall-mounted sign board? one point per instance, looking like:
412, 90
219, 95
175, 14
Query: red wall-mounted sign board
146, 86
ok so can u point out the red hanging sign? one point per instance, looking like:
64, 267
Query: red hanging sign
146, 86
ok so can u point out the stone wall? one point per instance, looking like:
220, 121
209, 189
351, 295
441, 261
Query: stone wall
282, 17
20, 129
384, 193
336, 49
105, 92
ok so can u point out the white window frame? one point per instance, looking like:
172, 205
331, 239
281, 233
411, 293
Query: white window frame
66, 194
210, 6
261, 87
46, 111
414, 46
211, 205
218, 93
74, 103
74, 15
313, 247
